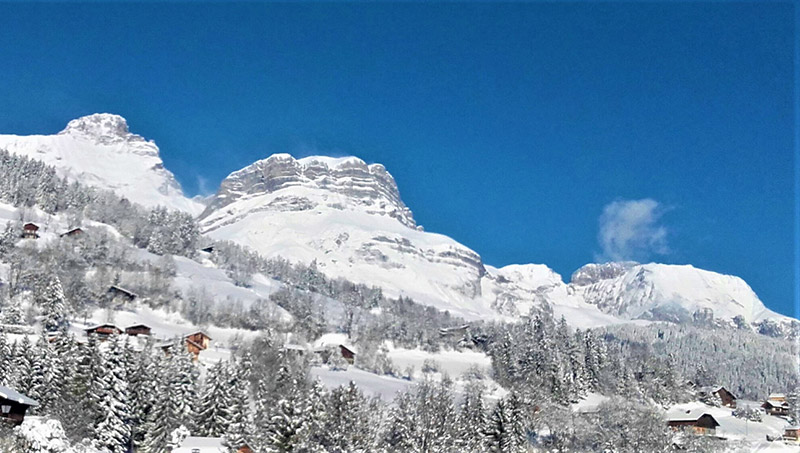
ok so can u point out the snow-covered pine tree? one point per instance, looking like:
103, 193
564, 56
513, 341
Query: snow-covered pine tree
142, 381
23, 366
505, 431
46, 376
175, 386
113, 431
213, 414
347, 425
471, 418
6, 360
52, 303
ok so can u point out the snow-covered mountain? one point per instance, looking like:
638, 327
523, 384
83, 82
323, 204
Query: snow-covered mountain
667, 292
100, 151
348, 217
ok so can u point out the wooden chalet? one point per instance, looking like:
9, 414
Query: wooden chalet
347, 353
728, 399
193, 342
13, 405
72, 233
103, 331
333, 341
193, 444
30, 231
459, 331
208, 249
776, 404
137, 329
118, 292
693, 421
792, 434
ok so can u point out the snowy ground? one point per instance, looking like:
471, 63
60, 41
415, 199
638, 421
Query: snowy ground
752, 436
385, 387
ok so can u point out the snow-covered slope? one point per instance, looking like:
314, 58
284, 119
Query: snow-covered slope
668, 292
348, 217
100, 151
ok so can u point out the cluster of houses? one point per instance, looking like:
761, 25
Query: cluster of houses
325, 347
194, 342
699, 422
31, 231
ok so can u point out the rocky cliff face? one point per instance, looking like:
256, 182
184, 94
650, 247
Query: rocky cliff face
668, 293
99, 150
349, 217
349, 183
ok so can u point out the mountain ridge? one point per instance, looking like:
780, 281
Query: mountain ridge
349, 218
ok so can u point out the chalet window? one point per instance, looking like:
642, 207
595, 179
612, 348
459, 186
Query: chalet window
6, 409
195, 450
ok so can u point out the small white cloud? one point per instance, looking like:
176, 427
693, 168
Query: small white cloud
629, 230
203, 188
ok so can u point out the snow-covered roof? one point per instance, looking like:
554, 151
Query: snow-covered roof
334, 339
295, 347
97, 326
775, 396
687, 413
13, 395
194, 444
201, 445
196, 332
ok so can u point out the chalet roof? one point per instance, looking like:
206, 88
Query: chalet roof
295, 347
688, 415
138, 325
196, 332
776, 403
74, 230
13, 395
203, 445
95, 327
775, 396
334, 339
122, 290
30, 226
710, 389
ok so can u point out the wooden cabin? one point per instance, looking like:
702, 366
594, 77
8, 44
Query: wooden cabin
13, 405
30, 231
792, 434
693, 422
118, 292
728, 399
72, 233
193, 342
200, 339
459, 331
776, 405
347, 353
138, 329
193, 444
103, 331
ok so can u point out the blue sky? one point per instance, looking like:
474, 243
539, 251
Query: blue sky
549, 133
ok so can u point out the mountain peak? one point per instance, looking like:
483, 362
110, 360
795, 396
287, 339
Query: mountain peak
337, 182
101, 127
